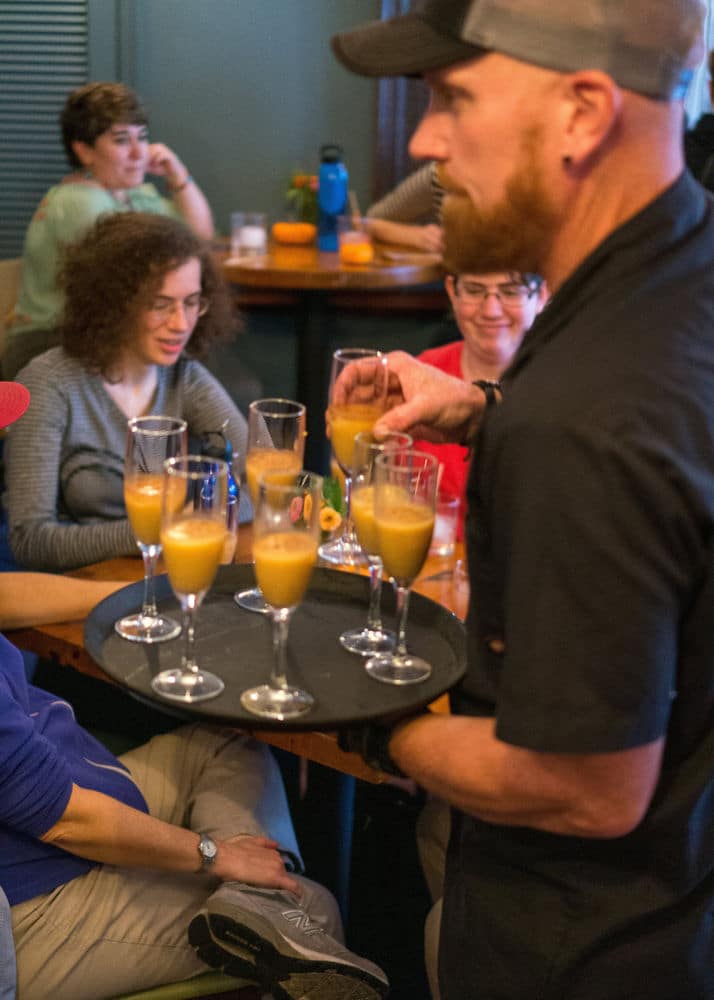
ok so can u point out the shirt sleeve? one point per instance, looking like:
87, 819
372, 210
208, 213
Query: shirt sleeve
598, 538
39, 539
35, 782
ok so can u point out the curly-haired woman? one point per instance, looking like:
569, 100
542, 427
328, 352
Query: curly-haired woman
105, 136
143, 301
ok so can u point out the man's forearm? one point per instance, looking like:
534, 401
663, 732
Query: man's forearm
100, 828
460, 759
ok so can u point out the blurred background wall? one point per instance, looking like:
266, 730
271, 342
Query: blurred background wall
245, 90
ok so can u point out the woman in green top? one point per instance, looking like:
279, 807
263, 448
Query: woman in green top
104, 131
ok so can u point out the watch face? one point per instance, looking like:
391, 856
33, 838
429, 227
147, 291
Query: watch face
207, 848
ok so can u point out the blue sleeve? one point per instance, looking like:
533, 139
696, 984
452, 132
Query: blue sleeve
35, 782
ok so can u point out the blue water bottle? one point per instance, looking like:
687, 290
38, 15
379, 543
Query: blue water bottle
216, 444
331, 196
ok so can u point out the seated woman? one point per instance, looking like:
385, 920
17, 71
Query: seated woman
143, 300
410, 215
104, 131
493, 313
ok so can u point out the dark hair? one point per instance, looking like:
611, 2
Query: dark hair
527, 278
90, 110
710, 63
114, 273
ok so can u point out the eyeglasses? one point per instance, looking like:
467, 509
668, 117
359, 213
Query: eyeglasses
193, 306
510, 293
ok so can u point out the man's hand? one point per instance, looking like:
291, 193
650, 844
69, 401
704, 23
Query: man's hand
254, 860
422, 401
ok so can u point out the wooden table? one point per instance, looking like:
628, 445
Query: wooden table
64, 644
316, 283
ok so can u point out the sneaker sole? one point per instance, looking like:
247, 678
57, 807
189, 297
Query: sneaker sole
246, 948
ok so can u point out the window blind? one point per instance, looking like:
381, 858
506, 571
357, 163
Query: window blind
43, 55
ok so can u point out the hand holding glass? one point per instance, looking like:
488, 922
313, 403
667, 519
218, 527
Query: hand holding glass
193, 535
276, 442
373, 637
404, 509
150, 441
286, 532
347, 418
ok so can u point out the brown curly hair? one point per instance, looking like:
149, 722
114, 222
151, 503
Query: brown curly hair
114, 273
92, 109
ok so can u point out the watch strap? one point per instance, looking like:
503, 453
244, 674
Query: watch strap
490, 387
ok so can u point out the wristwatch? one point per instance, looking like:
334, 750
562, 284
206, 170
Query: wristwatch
207, 849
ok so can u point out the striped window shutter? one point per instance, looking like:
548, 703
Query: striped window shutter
43, 55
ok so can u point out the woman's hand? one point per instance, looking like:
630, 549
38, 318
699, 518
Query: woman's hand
254, 860
163, 162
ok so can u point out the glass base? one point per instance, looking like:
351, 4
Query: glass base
276, 703
252, 600
398, 669
187, 686
143, 628
368, 641
342, 552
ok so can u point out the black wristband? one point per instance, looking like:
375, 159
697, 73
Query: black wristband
371, 742
490, 387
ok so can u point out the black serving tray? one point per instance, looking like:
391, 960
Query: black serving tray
237, 645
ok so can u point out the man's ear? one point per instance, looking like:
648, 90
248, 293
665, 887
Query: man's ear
591, 107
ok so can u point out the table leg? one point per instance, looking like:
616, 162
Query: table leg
313, 372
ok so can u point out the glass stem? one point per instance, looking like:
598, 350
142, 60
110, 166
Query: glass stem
188, 661
149, 553
281, 624
348, 530
402, 611
374, 618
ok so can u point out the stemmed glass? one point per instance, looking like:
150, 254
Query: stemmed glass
345, 421
276, 442
372, 637
286, 533
150, 441
404, 510
193, 535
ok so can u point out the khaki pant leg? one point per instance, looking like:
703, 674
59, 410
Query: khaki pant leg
432, 929
115, 930
433, 829
216, 781
111, 931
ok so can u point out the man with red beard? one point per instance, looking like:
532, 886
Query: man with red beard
579, 756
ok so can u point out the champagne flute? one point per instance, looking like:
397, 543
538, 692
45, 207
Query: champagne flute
276, 441
230, 542
150, 441
193, 535
345, 421
372, 637
404, 511
286, 533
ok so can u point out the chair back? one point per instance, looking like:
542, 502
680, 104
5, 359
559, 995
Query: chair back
10, 270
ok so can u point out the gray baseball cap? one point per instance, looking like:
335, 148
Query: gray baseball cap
649, 46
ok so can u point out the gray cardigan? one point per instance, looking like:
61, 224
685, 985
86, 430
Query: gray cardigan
64, 460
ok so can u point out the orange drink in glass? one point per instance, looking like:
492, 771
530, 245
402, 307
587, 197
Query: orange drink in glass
193, 538
286, 529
